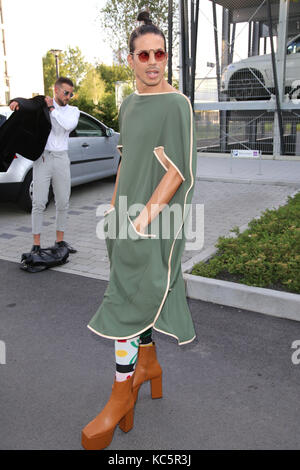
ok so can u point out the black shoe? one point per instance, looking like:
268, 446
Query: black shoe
63, 243
35, 249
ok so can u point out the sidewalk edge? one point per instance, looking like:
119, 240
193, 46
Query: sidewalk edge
257, 299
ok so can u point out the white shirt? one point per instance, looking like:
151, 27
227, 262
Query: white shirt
63, 120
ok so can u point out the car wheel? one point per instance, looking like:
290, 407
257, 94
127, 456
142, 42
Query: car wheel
26, 194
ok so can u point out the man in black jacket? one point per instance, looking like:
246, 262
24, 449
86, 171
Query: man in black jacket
40, 130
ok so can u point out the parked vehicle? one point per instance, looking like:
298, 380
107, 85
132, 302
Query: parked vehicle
5, 112
93, 155
252, 78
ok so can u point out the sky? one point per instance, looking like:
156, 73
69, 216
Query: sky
32, 27
47, 24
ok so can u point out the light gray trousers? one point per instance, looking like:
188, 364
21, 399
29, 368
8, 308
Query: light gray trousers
51, 167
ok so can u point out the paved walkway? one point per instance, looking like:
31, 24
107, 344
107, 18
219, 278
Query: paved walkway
226, 204
245, 170
234, 387
237, 379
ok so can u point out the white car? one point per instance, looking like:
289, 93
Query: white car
252, 78
93, 154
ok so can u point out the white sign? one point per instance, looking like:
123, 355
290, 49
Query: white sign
246, 153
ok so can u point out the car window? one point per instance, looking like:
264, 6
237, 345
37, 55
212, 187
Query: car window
87, 127
294, 47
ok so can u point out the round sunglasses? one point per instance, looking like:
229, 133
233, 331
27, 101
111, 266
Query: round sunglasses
66, 93
144, 56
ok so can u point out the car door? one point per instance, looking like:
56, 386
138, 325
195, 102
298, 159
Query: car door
75, 155
96, 150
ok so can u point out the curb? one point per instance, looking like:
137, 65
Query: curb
264, 156
257, 299
224, 179
63, 269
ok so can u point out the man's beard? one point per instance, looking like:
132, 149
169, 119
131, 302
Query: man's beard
61, 103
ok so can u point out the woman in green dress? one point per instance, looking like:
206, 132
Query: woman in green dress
144, 230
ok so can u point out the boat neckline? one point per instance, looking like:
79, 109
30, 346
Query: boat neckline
158, 93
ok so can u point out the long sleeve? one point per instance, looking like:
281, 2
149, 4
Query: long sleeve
67, 120
63, 120
31, 104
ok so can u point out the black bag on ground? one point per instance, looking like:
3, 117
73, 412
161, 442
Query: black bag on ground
44, 258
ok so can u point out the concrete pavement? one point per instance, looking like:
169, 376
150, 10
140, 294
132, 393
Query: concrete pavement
235, 387
251, 171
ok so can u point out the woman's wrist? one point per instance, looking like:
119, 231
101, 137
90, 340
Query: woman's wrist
140, 223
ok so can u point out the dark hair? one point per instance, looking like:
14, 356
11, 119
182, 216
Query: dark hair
62, 80
146, 28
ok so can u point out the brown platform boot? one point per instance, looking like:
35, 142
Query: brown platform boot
119, 409
147, 368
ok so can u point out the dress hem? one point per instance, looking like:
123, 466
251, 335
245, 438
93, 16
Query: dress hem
116, 338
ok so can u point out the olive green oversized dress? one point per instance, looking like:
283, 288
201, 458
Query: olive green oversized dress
146, 287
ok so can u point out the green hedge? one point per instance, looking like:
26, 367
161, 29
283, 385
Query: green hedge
267, 254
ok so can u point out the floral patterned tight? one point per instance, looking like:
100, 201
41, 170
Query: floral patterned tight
127, 352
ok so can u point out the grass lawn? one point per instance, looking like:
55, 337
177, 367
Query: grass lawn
267, 254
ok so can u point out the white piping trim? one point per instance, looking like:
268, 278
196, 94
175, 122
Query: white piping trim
174, 336
109, 210
169, 160
158, 93
139, 333
146, 235
164, 166
120, 337
184, 207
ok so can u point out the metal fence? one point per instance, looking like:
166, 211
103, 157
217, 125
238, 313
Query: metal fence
245, 130
253, 100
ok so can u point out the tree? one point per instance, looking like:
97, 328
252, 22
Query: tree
110, 74
49, 71
108, 111
71, 64
118, 19
92, 87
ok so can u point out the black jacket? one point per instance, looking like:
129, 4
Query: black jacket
26, 131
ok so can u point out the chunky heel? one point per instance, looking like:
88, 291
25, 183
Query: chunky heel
126, 423
147, 368
156, 387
